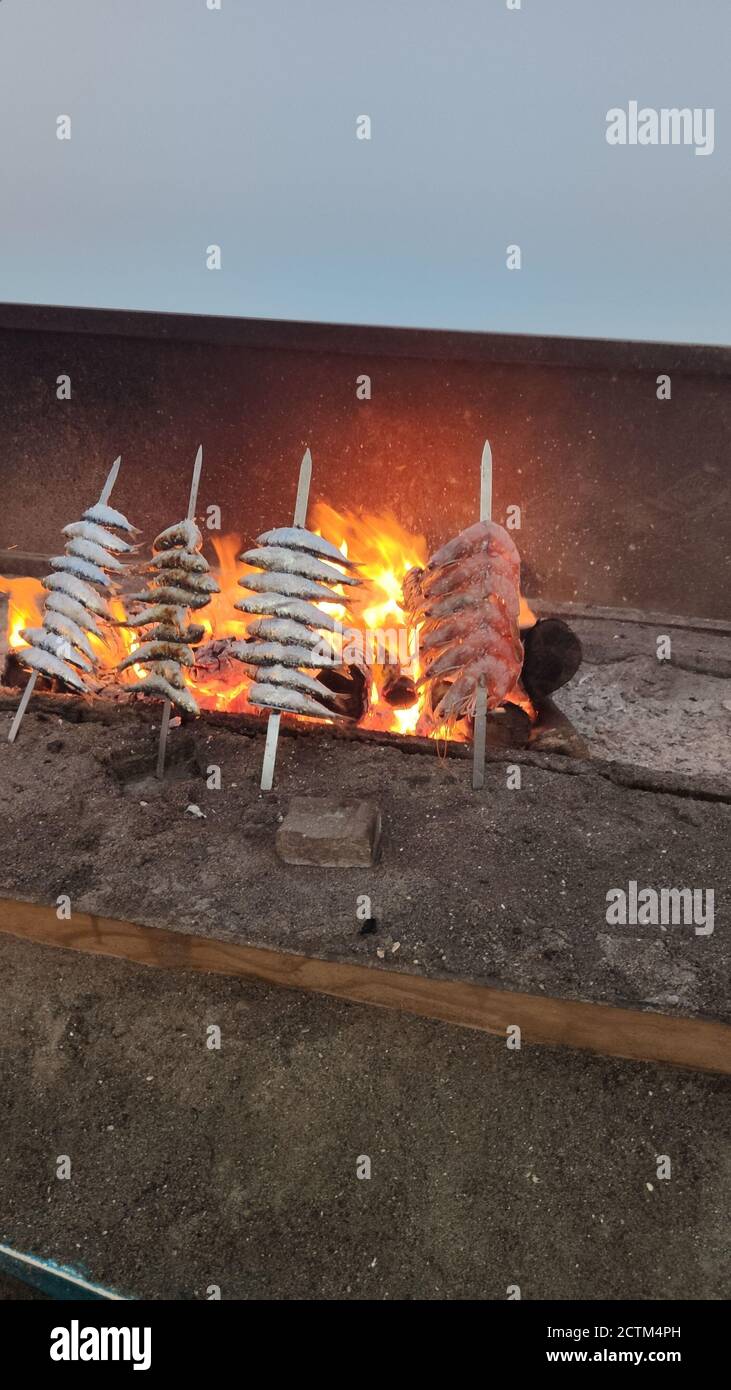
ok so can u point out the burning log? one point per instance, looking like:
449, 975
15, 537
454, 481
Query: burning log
552, 656
349, 686
398, 689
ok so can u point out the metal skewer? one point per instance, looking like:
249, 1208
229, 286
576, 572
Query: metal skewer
104, 496
167, 706
300, 516
479, 735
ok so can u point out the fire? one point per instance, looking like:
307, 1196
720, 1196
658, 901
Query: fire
384, 551
25, 606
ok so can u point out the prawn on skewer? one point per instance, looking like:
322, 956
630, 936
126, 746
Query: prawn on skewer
467, 600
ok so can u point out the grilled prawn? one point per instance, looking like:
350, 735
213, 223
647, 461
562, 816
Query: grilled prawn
467, 600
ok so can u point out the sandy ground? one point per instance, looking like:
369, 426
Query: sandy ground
507, 886
672, 715
192, 1167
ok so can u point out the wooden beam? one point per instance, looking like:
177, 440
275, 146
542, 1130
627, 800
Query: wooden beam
637, 1035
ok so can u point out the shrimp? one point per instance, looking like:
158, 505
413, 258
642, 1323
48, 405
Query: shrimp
484, 535
474, 569
481, 590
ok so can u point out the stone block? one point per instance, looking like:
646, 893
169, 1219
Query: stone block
330, 833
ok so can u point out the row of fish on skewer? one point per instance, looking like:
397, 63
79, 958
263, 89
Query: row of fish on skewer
294, 572
465, 603
100, 550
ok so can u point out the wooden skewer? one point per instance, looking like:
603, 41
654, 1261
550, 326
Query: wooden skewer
167, 706
104, 496
300, 516
480, 729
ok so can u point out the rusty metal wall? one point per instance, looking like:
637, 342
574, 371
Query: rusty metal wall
624, 498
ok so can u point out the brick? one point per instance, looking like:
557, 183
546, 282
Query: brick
330, 833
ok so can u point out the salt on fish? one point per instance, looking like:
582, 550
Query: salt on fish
178, 581
183, 534
289, 675
277, 653
157, 685
189, 580
292, 701
96, 554
76, 596
158, 651
290, 585
72, 564
68, 607
297, 538
106, 516
296, 562
66, 627
89, 531
190, 633
49, 665
279, 606
57, 645
284, 630
179, 558
172, 596
79, 590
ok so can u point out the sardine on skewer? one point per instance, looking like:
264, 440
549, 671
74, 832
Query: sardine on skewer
296, 562
157, 685
280, 606
285, 630
269, 696
46, 664
82, 581
103, 515
286, 640
279, 654
90, 531
178, 581
52, 642
184, 535
291, 585
297, 538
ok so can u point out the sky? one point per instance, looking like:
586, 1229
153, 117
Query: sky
193, 127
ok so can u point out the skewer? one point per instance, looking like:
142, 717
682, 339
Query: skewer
300, 516
479, 735
167, 706
104, 496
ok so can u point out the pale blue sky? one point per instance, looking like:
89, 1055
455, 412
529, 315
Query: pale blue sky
238, 127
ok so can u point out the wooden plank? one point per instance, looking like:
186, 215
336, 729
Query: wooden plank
637, 1035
